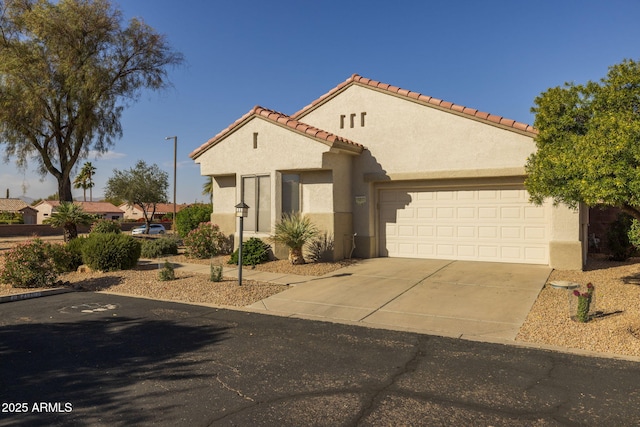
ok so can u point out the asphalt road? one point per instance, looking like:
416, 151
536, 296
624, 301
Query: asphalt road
101, 360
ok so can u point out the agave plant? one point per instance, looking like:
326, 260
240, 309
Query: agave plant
294, 231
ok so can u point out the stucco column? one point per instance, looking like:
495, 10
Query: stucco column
566, 242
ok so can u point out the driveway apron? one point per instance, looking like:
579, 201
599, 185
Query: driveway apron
474, 300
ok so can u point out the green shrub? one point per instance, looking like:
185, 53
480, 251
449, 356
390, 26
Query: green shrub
63, 258
206, 241
190, 217
320, 249
634, 233
74, 248
11, 218
105, 226
167, 272
29, 265
618, 238
11, 221
111, 251
155, 248
254, 251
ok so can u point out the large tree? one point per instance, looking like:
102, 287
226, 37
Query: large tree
67, 70
588, 145
143, 186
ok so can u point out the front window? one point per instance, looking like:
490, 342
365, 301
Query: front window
290, 193
256, 193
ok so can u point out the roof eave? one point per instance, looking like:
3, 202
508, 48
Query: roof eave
449, 107
286, 122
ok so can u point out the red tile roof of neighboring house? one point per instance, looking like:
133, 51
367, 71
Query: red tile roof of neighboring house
286, 121
161, 208
428, 100
168, 207
89, 207
12, 205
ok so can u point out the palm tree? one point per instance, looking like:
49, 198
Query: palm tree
294, 231
81, 182
89, 170
207, 188
69, 216
84, 180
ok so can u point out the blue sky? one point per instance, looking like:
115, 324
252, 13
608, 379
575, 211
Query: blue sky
495, 56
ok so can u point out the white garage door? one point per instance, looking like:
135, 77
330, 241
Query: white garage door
484, 225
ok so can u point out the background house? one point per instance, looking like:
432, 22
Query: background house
399, 173
20, 207
104, 210
134, 213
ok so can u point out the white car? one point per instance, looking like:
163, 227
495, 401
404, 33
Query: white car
155, 229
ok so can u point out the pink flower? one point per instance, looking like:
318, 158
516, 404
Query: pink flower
576, 293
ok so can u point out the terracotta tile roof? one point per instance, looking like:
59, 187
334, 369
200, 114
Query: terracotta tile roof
286, 121
168, 207
89, 207
428, 100
12, 205
161, 208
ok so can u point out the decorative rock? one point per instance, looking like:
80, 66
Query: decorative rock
84, 269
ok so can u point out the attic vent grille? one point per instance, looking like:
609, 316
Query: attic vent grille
352, 119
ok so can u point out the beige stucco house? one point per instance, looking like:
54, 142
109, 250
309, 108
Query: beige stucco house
407, 174
104, 210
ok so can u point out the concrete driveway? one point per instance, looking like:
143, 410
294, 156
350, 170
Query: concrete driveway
474, 300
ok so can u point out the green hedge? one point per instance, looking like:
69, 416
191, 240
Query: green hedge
154, 248
111, 251
254, 251
190, 217
106, 226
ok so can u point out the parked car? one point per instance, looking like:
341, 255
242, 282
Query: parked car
155, 229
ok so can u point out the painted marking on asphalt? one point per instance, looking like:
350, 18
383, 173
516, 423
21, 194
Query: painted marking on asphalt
88, 308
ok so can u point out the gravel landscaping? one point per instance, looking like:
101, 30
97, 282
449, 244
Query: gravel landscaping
614, 329
187, 287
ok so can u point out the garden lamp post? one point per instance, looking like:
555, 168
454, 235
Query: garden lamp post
241, 212
175, 158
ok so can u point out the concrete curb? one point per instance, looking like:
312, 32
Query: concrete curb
30, 295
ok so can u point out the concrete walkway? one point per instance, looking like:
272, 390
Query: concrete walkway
479, 300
